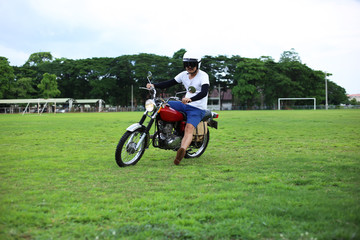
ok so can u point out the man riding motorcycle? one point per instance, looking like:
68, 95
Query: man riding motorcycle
194, 104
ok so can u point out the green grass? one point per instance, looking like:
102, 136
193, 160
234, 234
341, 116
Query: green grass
265, 175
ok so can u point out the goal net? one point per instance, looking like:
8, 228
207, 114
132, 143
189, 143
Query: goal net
281, 99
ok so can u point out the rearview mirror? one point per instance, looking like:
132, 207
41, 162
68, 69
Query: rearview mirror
149, 76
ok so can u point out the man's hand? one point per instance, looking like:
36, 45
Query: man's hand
186, 100
149, 85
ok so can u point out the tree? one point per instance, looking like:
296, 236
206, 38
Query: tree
179, 54
354, 102
6, 78
290, 56
24, 88
221, 71
48, 86
37, 58
216, 68
336, 94
252, 81
249, 75
274, 82
158, 65
122, 70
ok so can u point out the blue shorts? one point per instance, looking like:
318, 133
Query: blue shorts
193, 114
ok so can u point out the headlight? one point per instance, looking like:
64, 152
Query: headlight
149, 105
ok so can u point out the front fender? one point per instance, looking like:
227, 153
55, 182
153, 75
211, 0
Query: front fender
134, 127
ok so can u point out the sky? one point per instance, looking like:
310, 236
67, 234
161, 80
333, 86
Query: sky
325, 33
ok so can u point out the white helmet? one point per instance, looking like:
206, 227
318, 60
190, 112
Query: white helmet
192, 60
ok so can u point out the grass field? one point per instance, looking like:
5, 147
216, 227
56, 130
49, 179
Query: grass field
265, 175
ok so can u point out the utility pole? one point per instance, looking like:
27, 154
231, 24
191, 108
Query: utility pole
219, 97
326, 94
132, 98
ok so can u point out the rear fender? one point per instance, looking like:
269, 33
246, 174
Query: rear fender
212, 123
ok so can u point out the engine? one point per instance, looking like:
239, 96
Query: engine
167, 137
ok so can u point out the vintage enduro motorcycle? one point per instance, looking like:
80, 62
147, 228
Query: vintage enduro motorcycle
168, 131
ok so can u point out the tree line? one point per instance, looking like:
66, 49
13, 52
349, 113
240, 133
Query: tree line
253, 81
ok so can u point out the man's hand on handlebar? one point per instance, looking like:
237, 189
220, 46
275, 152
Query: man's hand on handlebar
186, 100
149, 85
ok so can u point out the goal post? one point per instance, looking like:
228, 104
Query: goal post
279, 101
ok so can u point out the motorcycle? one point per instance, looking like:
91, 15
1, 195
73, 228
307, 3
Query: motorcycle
168, 131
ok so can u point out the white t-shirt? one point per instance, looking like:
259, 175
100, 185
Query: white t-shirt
200, 79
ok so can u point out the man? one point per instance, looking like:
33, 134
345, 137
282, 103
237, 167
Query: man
194, 104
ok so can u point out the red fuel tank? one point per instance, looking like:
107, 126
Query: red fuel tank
169, 114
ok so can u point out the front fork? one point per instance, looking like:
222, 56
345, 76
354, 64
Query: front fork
147, 129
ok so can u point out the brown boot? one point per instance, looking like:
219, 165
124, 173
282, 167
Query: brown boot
179, 156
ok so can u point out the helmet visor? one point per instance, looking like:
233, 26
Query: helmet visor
190, 64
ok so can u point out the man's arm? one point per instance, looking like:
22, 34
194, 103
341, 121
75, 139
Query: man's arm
204, 91
166, 84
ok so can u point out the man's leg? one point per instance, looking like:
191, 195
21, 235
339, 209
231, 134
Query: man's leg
179, 106
188, 135
186, 141
194, 116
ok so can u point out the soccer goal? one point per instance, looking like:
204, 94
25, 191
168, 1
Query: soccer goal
280, 99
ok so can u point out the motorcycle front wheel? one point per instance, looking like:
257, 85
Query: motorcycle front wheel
196, 149
126, 153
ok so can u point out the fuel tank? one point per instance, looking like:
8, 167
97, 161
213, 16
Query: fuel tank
169, 114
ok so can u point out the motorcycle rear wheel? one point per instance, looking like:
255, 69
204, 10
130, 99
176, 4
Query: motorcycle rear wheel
126, 153
196, 150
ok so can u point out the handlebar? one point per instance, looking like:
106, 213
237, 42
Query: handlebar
174, 98
152, 91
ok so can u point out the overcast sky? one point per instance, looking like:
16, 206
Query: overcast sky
325, 33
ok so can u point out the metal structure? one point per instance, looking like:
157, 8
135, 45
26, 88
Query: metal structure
91, 101
279, 100
38, 102
44, 102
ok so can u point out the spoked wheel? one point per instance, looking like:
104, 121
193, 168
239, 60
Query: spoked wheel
126, 153
196, 149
